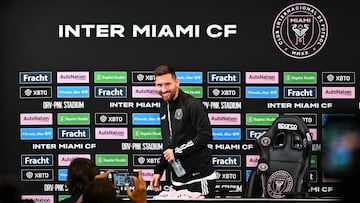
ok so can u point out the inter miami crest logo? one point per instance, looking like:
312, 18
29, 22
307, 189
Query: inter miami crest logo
300, 30
278, 183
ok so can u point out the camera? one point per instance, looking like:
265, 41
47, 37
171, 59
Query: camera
121, 178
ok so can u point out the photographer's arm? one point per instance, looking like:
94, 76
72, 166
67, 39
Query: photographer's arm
105, 174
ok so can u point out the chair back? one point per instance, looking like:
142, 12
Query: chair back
285, 151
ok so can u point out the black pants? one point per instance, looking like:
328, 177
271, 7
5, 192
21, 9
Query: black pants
205, 187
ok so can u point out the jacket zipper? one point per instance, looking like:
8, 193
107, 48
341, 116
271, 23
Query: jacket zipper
169, 120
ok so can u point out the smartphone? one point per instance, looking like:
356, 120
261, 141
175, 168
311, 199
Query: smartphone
121, 178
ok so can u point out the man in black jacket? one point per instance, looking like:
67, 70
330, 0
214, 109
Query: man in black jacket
186, 131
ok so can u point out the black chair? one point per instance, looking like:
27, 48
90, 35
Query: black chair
283, 168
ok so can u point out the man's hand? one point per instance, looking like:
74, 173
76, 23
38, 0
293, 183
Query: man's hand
138, 195
169, 155
155, 182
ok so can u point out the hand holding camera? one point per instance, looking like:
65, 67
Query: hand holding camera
138, 194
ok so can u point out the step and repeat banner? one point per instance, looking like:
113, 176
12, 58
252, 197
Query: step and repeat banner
77, 81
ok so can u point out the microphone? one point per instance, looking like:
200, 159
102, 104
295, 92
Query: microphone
262, 167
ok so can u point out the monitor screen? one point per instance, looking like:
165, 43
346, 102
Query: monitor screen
340, 139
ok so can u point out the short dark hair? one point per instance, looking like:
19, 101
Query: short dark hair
100, 190
9, 191
81, 171
164, 69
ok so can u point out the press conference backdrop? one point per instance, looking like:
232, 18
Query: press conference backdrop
76, 79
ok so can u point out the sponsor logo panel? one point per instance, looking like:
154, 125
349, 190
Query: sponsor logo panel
110, 77
265, 119
73, 133
73, 118
338, 92
229, 175
223, 77
65, 159
110, 92
37, 174
195, 91
35, 77
145, 77
36, 133
146, 134
261, 77
226, 160
111, 119
62, 174
226, 133
338, 77
111, 133
73, 77
262, 92
252, 160
73, 92
37, 160
35, 92
144, 92
189, 77
253, 133
228, 92
300, 77
39, 198
146, 119
292, 92
147, 160
224, 118
111, 159
36, 119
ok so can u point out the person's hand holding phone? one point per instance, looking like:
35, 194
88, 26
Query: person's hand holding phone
138, 195
105, 174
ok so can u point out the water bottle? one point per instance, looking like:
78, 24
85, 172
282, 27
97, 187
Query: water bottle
178, 168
